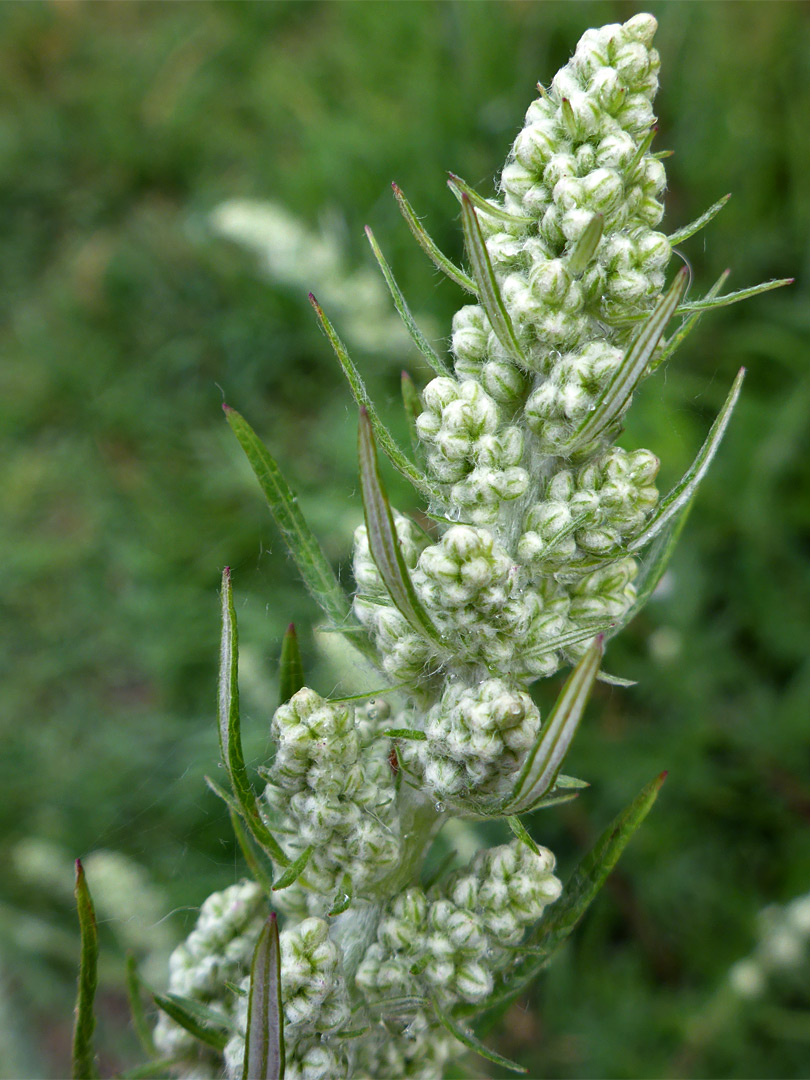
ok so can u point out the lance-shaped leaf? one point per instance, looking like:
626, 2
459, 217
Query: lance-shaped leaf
437, 257
135, 990
641, 150
468, 1039
546, 756
628, 375
710, 303
264, 1037
412, 406
695, 226
418, 338
577, 896
382, 536
290, 666
460, 188
206, 1025
307, 553
683, 493
522, 833
585, 248
404, 733
671, 344
230, 735
358, 388
294, 870
84, 1021
254, 865
489, 292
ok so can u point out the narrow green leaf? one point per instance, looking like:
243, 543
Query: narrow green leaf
294, 871
389, 445
404, 733
420, 341
615, 680
577, 896
489, 292
258, 830
568, 118
642, 149
683, 493
382, 536
630, 372
466, 1038
413, 407
264, 1037
313, 566
585, 248
460, 188
257, 871
230, 735
546, 756
84, 1058
343, 901
210, 1031
695, 226
134, 993
654, 566
521, 832
440, 260
669, 346
710, 303
290, 667
590, 875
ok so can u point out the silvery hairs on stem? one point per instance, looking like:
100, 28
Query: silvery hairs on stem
546, 539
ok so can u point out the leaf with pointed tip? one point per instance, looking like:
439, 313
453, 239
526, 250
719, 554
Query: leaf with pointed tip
258, 830
585, 248
294, 871
710, 303
264, 1037
404, 733
577, 896
522, 833
420, 341
641, 150
630, 372
573, 637
290, 666
307, 553
440, 260
695, 226
489, 291
615, 680
683, 493
466, 1038
671, 344
84, 1024
358, 388
343, 902
460, 187
413, 407
382, 537
230, 735
546, 756
211, 1029
135, 988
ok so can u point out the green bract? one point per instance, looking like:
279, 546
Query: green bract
547, 538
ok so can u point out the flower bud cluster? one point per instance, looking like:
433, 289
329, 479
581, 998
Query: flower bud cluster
588, 513
470, 450
477, 739
333, 795
217, 952
449, 942
315, 1001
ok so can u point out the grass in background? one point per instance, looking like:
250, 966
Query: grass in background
123, 322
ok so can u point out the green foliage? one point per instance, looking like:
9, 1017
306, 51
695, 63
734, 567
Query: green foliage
124, 493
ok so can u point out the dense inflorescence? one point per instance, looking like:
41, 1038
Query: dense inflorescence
537, 520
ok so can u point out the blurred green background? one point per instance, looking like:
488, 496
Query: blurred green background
125, 318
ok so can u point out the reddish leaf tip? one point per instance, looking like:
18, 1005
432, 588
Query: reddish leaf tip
364, 412
405, 375
79, 867
662, 776
395, 186
291, 629
226, 408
